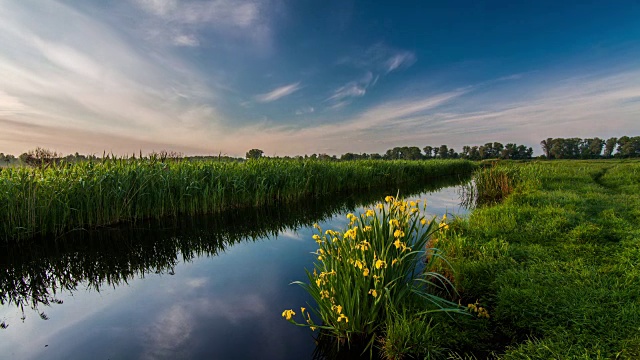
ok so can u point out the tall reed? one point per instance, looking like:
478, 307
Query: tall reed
489, 185
51, 201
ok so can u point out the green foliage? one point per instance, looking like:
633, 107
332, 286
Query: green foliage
65, 196
254, 154
408, 335
40, 157
577, 148
368, 273
490, 185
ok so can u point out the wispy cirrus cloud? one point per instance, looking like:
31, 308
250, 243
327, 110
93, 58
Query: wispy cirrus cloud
380, 58
377, 60
278, 93
594, 105
342, 95
601, 105
186, 40
182, 22
305, 110
400, 60
349, 134
60, 66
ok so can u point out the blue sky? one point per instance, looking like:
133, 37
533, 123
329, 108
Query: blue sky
296, 77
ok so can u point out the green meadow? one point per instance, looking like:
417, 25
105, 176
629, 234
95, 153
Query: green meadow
556, 263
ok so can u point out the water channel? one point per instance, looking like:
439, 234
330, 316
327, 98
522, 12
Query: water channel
195, 288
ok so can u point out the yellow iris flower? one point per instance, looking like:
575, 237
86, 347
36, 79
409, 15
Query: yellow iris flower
287, 314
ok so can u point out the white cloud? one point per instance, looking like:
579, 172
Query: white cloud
170, 19
351, 89
167, 336
64, 72
348, 135
235, 13
158, 7
278, 93
601, 105
357, 88
380, 58
186, 40
400, 60
305, 110
10, 105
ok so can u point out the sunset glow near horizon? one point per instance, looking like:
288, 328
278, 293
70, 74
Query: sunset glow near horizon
300, 77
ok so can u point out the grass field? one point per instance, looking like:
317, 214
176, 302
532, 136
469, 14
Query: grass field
556, 263
56, 199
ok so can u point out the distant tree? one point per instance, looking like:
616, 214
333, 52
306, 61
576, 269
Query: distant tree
629, 146
412, 153
529, 152
403, 153
610, 146
546, 147
428, 152
348, 156
595, 147
474, 153
557, 149
254, 154
486, 151
40, 157
509, 151
497, 149
8, 158
572, 148
466, 150
443, 152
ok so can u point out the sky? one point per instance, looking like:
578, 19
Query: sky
209, 77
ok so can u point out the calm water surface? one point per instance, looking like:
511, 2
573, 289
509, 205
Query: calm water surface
209, 288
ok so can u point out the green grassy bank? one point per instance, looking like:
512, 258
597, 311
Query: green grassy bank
556, 264
50, 201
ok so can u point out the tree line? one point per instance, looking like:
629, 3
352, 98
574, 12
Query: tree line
552, 148
494, 150
591, 148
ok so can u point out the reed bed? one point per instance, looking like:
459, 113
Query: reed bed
490, 185
56, 199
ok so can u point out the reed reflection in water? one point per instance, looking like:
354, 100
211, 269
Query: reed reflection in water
41, 274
